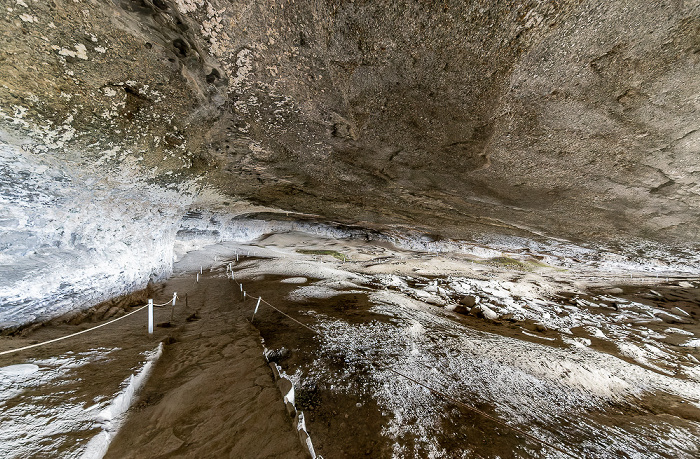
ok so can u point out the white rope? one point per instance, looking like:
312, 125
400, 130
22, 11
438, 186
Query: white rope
166, 303
73, 334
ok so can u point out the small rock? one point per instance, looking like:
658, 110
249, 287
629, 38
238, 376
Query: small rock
434, 300
484, 312
111, 312
509, 317
540, 327
78, 318
278, 355
459, 309
285, 385
615, 291
275, 370
295, 280
468, 301
669, 319
291, 409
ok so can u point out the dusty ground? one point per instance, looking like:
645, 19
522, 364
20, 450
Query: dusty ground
599, 366
211, 394
597, 363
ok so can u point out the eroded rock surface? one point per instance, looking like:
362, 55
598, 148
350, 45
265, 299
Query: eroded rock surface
574, 119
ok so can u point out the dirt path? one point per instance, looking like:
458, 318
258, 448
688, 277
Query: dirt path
212, 393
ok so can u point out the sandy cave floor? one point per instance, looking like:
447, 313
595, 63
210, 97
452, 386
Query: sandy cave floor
599, 366
211, 393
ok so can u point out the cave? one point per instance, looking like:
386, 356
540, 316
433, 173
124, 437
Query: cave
349, 228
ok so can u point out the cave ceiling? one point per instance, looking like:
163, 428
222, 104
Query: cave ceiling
574, 119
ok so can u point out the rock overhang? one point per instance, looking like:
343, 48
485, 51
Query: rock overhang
563, 119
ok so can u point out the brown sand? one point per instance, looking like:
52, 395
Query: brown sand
212, 393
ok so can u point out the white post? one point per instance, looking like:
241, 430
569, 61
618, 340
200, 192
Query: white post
236, 256
244, 295
256, 309
197, 277
174, 296
200, 270
150, 317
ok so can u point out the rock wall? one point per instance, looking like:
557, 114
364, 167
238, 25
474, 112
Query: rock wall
71, 238
573, 118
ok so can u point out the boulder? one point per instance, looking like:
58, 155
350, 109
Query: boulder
484, 312
468, 301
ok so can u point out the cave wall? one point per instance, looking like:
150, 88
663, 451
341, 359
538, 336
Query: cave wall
574, 119
70, 239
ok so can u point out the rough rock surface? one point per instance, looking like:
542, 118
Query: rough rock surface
574, 119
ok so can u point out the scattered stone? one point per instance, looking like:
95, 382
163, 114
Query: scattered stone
294, 280
291, 409
113, 311
468, 301
285, 385
615, 291
540, 327
278, 355
78, 318
509, 317
192, 317
434, 300
484, 312
670, 319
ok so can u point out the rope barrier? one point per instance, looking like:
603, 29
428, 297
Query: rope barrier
435, 391
84, 331
73, 334
291, 318
167, 302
